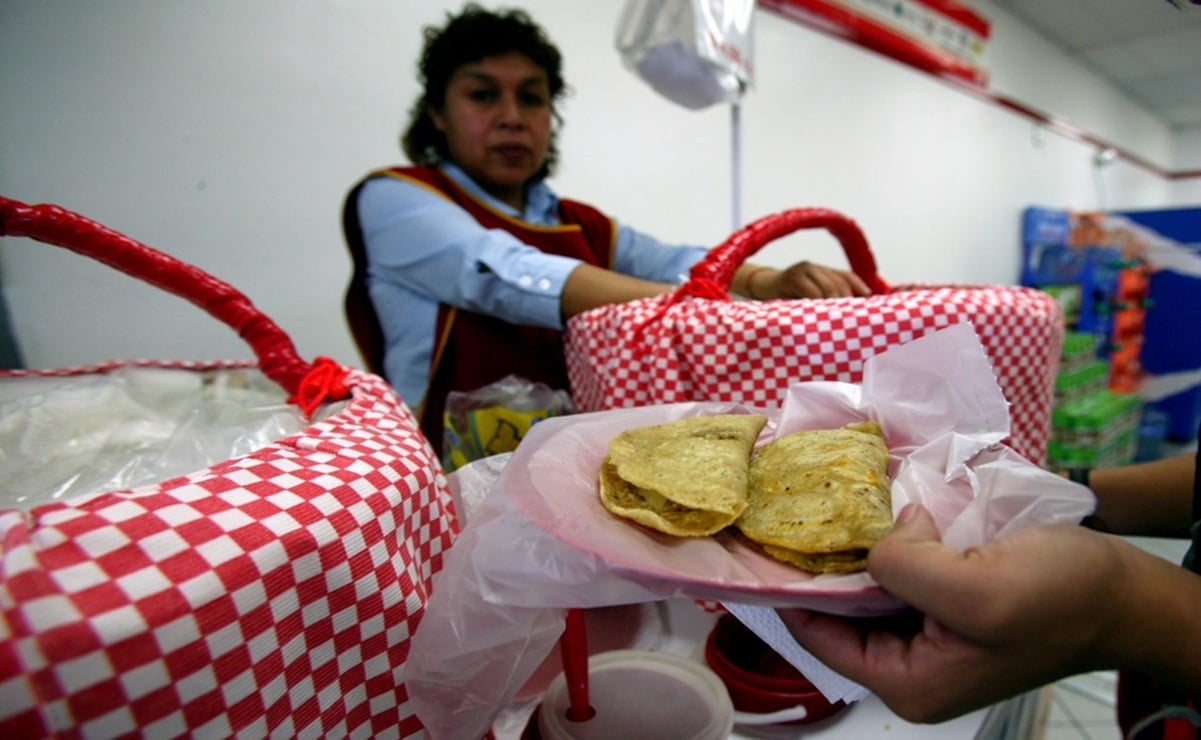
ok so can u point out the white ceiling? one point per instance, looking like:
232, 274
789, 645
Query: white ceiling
1149, 49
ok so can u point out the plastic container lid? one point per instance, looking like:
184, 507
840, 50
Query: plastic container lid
645, 695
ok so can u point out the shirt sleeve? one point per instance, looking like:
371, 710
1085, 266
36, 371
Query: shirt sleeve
427, 244
644, 256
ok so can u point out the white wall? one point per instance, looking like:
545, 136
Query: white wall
226, 133
1188, 158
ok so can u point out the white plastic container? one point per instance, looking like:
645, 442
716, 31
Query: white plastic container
642, 694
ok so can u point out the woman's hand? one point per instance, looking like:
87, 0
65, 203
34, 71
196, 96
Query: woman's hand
802, 280
1011, 615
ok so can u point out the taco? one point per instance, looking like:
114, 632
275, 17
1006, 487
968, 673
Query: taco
819, 499
686, 478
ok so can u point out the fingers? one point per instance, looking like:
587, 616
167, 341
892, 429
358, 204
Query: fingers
836, 641
824, 282
808, 280
901, 665
858, 287
839, 283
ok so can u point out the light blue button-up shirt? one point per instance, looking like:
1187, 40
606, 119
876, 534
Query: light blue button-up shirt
423, 250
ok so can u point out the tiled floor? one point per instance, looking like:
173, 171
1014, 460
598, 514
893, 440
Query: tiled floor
1082, 708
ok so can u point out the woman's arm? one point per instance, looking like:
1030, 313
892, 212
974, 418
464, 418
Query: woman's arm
588, 287
1152, 499
644, 256
426, 244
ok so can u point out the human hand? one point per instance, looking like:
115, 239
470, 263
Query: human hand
1011, 615
807, 280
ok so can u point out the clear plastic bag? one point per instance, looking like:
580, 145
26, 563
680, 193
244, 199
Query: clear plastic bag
694, 52
495, 418
79, 434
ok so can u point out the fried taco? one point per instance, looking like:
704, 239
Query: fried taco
686, 478
820, 499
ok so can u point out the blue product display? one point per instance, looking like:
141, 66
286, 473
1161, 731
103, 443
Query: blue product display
1098, 267
1086, 273
1171, 343
1047, 258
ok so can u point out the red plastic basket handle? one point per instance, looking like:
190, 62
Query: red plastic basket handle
55, 225
723, 260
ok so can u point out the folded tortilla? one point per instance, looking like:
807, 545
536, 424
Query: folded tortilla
686, 478
820, 499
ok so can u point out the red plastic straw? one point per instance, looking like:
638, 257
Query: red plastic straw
573, 646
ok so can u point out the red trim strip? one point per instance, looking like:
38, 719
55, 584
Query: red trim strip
841, 24
960, 13
872, 35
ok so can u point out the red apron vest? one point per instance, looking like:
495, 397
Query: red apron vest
472, 350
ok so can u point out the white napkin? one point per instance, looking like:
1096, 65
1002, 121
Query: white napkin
766, 623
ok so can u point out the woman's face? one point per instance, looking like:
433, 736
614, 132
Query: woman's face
497, 122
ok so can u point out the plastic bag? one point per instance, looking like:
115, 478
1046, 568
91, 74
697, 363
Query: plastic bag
494, 419
74, 435
497, 608
693, 52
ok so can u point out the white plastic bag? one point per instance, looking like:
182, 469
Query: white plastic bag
495, 418
497, 606
73, 435
693, 52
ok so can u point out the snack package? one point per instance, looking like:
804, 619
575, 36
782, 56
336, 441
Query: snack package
541, 541
494, 419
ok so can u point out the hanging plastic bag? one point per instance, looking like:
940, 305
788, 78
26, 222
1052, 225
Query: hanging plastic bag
693, 52
494, 419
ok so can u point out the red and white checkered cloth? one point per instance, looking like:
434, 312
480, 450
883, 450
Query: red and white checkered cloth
635, 354
698, 345
270, 595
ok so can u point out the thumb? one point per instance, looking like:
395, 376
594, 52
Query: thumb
913, 525
913, 546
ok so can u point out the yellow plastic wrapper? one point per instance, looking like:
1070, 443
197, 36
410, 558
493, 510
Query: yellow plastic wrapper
495, 418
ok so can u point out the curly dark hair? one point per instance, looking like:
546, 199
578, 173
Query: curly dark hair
472, 35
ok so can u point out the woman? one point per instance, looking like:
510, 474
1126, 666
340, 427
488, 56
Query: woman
473, 263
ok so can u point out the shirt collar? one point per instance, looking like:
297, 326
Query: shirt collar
541, 203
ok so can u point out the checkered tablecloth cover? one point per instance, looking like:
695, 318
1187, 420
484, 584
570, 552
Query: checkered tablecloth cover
636, 354
272, 595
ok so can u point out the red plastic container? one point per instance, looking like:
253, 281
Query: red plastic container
758, 679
